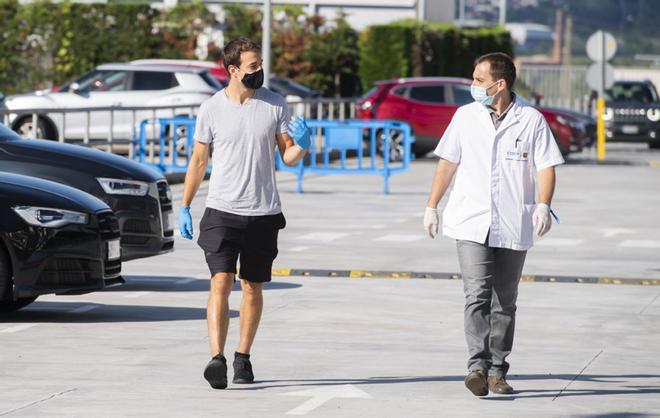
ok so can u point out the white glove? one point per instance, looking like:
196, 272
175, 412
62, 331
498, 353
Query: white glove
541, 219
431, 221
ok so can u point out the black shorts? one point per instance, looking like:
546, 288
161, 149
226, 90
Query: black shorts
225, 237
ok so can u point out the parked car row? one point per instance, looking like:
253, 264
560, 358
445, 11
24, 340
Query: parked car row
429, 103
179, 86
69, 215
117, 86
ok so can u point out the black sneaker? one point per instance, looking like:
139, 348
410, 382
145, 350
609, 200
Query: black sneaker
216, 372
243, 370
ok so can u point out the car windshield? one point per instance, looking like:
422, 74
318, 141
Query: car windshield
97, 80
632, 92
208, 78
287, 87
370, 92
7, 134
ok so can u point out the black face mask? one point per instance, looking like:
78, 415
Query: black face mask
254, 80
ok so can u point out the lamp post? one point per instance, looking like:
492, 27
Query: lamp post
265, 41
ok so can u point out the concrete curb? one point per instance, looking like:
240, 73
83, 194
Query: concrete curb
365, 274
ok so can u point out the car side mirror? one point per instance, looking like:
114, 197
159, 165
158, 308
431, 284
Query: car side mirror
74, 88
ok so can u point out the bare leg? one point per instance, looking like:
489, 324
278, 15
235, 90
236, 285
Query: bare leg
252, 305
217, 311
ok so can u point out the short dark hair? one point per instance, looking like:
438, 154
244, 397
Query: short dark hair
501, 67
232, 52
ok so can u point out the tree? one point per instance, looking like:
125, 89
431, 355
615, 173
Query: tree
333, 53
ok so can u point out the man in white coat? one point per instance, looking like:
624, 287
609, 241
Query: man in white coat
499, 148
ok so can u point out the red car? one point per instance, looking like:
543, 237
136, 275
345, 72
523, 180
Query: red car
428, 104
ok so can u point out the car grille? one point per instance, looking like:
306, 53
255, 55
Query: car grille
109, 229
108, 225
165, 201
136, 226
67, 271
112, 268
164, 197
630, 115
134, 240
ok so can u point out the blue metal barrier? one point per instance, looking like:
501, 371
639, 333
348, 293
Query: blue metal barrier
328, 137
174, 147
351, 135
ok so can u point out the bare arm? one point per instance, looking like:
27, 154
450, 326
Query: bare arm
290, 152
444, 173
546, 181
196, 171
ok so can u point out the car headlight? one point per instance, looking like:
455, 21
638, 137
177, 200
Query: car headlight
653, 115
608, 114
49, 217
125, 187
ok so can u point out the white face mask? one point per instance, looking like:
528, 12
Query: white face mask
480, 94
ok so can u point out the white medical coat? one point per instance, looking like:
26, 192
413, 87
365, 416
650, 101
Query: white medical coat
494, 190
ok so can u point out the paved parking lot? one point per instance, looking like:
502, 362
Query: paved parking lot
336, 346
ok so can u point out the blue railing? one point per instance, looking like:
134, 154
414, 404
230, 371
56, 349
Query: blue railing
175, 143
376, 147
389, 145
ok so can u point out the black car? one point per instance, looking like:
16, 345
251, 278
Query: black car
138, 195
53, 239
287, 87
632, 113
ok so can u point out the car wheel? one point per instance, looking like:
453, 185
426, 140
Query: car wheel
6, 303
396, 144
654, 145
24, 128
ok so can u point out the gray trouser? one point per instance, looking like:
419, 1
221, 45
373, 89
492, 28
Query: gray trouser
490, 282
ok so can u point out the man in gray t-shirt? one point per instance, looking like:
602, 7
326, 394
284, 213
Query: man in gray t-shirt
240, 126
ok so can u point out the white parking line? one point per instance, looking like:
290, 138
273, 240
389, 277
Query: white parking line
16, 328
379, 226
559, 242
298, 249
323, 237
84, 308
400, 238
639, 243
134, 295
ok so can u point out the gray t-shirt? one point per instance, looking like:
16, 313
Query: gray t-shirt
243, 154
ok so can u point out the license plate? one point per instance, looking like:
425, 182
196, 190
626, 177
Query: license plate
168, 221
630, 129
114, 249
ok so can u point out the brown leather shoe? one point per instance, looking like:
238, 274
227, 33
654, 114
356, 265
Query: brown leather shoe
476, 383
497, 384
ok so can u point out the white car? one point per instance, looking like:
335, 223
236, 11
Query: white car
127, 93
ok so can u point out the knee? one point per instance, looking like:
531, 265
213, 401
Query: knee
221, 284
478, 299
251, 289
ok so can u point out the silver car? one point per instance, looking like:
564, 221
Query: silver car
110, 101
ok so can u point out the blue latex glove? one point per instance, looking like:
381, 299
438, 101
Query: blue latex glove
299, 131
185, 223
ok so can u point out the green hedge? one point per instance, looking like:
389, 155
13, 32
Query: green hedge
411, 48
46, 42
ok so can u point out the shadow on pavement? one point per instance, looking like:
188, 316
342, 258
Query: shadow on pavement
181, 284
614, 415
63, 312
516, 380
